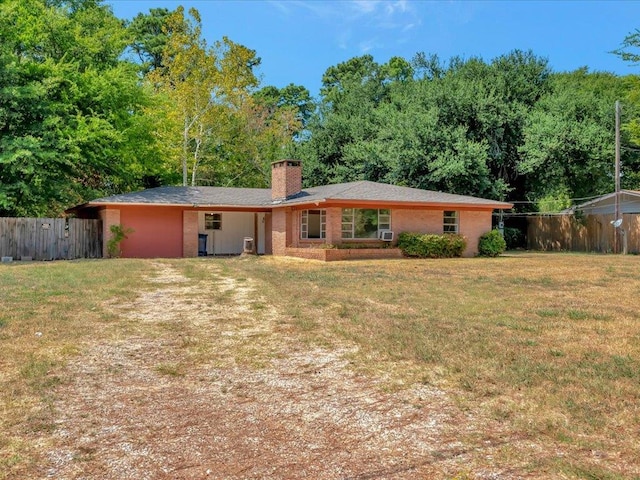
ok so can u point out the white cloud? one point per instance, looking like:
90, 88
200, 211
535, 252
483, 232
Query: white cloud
401, 6
357, 24
365, 6
342, 39
367, 45
409, 26
283, 7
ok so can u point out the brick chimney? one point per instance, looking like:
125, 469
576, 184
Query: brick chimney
286, 179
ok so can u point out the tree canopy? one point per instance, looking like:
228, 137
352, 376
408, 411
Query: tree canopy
210, 117
71, 121
91, 105
505, 129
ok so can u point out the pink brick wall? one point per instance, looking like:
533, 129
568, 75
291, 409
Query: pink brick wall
109, 216
279, 231
472, 225
294, 229
157, 231
334, 225
286, 179
418, 221
336, 254
190, 233
171, 232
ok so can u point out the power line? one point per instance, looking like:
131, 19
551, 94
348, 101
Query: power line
558, 214
573, 200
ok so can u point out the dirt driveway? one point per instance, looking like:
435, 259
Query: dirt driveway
184, 386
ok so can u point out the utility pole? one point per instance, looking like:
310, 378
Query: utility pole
617, 174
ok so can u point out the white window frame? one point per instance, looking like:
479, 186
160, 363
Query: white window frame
304, 224
450, 221
348, 222
216, 221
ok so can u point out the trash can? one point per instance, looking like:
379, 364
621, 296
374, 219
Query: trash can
248, 245
202, 244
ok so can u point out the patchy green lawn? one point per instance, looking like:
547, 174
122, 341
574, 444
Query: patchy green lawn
523, 366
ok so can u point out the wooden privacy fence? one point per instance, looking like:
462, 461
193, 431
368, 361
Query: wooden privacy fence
50, 238
591, 233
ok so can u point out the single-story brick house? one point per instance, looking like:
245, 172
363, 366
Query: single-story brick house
286, 219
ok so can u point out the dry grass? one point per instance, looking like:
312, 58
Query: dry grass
538, 353
548, 345
47, 311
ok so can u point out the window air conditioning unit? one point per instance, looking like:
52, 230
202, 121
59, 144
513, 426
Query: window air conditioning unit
385, 235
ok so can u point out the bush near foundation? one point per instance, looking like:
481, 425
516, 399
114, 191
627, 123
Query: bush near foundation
431, 246
491, 244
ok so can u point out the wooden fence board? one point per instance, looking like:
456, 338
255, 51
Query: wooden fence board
50, 238
593, 233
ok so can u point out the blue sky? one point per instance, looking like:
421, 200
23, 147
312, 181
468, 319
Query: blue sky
298, 40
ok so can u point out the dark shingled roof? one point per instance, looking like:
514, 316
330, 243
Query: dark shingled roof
382, 192
261, 197
201, 196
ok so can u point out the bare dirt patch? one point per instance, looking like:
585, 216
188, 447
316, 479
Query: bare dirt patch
200, 379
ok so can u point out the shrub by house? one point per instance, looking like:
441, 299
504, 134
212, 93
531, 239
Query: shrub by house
431, 246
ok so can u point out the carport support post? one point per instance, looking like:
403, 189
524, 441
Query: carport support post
256, 238
109, 217
189, 233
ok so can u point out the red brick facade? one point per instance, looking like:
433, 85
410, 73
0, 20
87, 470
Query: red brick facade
109, 217
280, 233
190, 233
471, 224
172, 230
335, 254
286, 179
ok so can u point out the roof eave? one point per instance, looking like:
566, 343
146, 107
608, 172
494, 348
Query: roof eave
154, 204
399, 203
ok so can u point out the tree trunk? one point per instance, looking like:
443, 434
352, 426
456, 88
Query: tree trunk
196, 155
185, 151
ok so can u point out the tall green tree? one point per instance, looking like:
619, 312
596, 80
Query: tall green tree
630, 52
201, 89
149, 33
455, 127
294, 98
339, 148
256, 136
71, 126
426, 141
570, 139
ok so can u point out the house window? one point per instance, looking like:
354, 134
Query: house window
313, 224
364, 222
450, 222
213, 221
